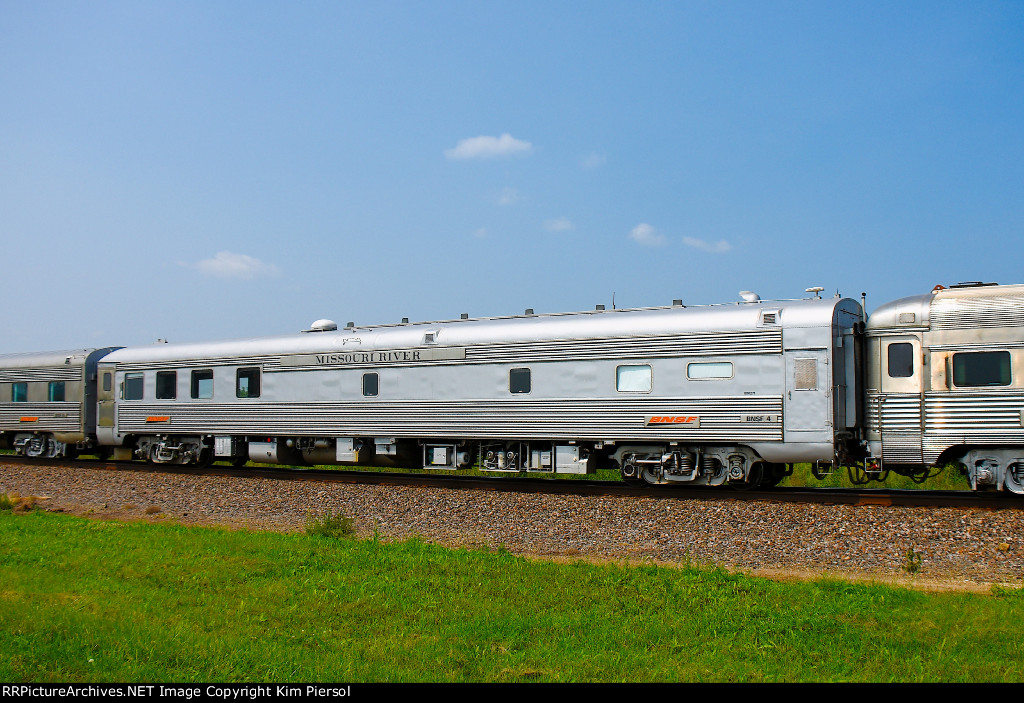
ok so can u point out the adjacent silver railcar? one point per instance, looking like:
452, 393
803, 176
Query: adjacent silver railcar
48, 401
945, 383
703, 394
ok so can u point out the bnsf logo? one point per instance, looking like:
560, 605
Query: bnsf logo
673, 420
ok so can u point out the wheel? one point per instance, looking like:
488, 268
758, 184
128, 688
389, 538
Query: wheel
651, 477
754, 478
1014, 479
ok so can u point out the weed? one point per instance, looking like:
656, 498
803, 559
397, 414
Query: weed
912, 561
153, 510
329, 525
5, 502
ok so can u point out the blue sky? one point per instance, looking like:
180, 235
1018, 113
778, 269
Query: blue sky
204, 170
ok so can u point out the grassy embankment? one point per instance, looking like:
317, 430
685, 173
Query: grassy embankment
85, 600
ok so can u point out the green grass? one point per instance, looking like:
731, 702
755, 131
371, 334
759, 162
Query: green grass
85, 600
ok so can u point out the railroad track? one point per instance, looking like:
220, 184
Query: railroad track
832, 496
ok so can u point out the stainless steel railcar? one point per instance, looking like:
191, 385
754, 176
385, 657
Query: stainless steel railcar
945, 383
677, 394
48, 401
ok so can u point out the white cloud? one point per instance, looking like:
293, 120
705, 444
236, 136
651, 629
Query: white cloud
509, 196
559, 224
488, 147
594, 160
719, 247
644, 234
228, 265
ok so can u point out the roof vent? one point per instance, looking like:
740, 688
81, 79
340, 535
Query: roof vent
349, 325
529, 311
749, 296
464, 316
405, 320
322, 326
677, 303
599, 307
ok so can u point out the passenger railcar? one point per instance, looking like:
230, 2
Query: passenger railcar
696, 394
945, 383
48, 401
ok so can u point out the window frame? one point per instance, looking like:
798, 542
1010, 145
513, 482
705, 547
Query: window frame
367, 375
889, 359
1003, 353
173, 387
650, 378
248, 373
691, 377
53, 386
196, 378
129, 383
519, 373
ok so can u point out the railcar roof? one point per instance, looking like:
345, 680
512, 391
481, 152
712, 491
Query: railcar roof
26, 360
896, 314
640, 322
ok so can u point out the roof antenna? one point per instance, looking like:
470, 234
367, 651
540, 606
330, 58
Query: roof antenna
613, 300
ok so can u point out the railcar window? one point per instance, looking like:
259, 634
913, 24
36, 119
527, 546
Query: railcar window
56, 391
519, 380
371, 384
108, 382
133, 386
166, 385
981, 369
633, 378
247, 383
202, 383
707, 370
901, 360
19, 392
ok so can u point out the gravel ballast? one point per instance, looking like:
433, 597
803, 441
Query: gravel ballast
960, 548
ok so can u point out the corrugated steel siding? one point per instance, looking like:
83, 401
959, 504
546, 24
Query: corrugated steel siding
981, 311
949, 419
55, 373
53, 417
655, 346
620, 420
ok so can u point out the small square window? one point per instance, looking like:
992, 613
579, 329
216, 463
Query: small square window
247, 383
519, 381
166, 385
133, 385
56, 391
371, 384
901, 360
633, 378
202, 383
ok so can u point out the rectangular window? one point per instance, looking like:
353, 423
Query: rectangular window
371, 384
519, 381
108, 381
202, 383
708, 370
133, 386
19, 392
634, 378
901, 360
247, 383
166, 385
56, 392
981, 369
